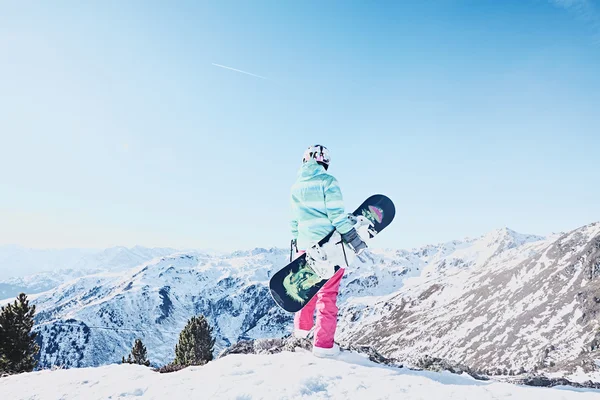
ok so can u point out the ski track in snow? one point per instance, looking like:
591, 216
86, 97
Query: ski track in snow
278, 376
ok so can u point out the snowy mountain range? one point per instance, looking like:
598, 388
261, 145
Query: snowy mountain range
505, 302
502, 302
37, 270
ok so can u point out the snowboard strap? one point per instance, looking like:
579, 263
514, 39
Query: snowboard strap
311, 333
293, 244
344, 250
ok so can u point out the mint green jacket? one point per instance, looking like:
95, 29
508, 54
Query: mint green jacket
317, 206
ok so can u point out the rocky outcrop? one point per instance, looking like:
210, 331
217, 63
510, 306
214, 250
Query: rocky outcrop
544, 381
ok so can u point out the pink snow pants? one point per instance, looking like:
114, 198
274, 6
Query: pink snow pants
325, 304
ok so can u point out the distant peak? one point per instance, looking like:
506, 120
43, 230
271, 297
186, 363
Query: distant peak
509, 237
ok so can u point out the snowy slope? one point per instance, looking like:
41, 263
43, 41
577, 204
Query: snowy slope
38, 270
99, 316
280, 376
504, 303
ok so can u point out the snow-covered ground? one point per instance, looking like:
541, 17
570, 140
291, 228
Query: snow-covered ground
279, 376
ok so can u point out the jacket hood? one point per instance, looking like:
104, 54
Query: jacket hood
310, 169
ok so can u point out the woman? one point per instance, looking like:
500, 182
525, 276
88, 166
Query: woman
318, 209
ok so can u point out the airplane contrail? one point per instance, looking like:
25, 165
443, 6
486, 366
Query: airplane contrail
239, 70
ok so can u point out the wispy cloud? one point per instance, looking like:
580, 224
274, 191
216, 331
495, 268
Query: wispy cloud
239, 70
585, 10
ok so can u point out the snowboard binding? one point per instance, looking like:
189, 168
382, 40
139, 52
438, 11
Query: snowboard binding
316, 258
366, 230
364, 226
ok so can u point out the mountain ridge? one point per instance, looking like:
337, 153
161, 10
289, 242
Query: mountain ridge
377, 301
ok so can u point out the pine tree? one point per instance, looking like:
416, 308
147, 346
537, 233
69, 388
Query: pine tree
196, 343
17, 343
138, 354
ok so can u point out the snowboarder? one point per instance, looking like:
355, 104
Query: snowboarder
317, 209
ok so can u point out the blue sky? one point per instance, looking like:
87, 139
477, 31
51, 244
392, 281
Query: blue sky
117, 129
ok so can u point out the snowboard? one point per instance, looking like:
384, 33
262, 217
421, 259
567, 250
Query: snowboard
293, 286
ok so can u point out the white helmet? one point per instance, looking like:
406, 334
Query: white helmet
319, 153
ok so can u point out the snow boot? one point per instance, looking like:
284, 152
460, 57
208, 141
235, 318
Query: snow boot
326, 353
